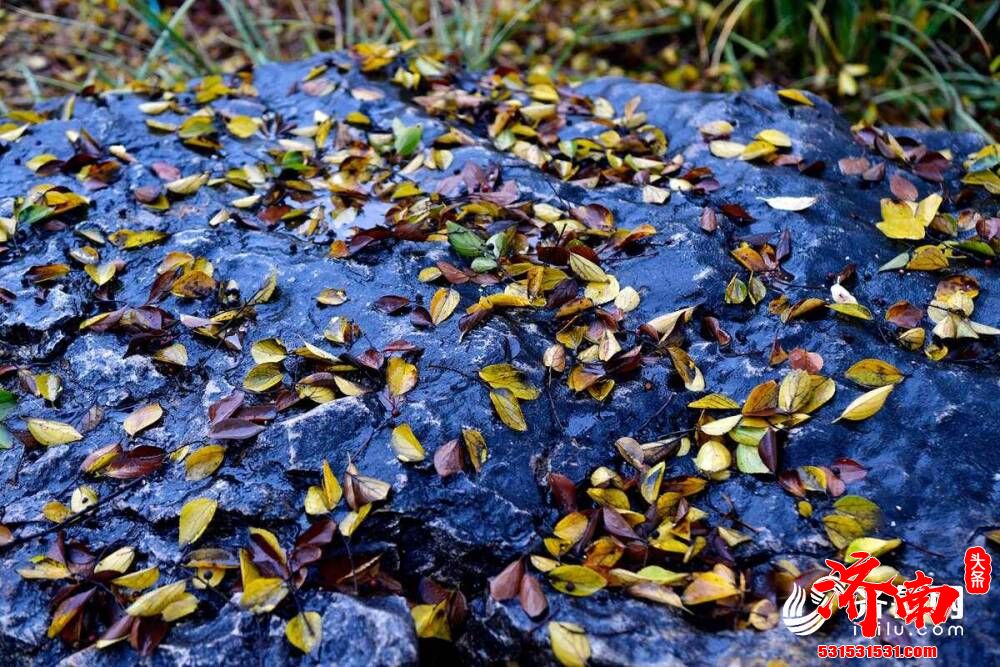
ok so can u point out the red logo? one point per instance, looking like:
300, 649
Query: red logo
917, 600
978, 565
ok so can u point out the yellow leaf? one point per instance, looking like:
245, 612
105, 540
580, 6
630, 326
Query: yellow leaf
443, 304
569, 644
714, 402
758, 149
49, 386
852, 310
721, 426
725, 149
187, 185
870, 545
406, 446
139, 580
713, 457
179, 608
50, 433
686, 368
194, 519
266, 291
900, 221
928, 258
431, 621
867, 404
508, 409
708, 587
353, 520
401, 376
586, 269
101, 273
794, 392
651, 480
774, 137
305, 630
322, 499
269, 350
143, 418
335, 297
505, 376
155, 601
263, 377
665, 324
203, 462
717, 128
130, 239
263, 594
576, 580
795, 95
175, 354
118, 561
874, 373
243, 127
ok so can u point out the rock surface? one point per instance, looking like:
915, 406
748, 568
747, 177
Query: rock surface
931, 455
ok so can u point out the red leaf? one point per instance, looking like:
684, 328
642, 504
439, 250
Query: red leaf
902, 188
532, 597
391, 304
234, 429
506, 585
448, 458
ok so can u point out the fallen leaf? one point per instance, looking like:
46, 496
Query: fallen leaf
194, 519
867, 404
143, 418
790, 203
569, 644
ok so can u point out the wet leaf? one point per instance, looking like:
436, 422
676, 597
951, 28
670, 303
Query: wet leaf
431, 620
202, 462
406, 446
569, 644
143, 418
708, 587
194, 519
576, 580
790, 203
794, 95
443, 304
508, 409
322, 499
874, 373
401, 376
867, 404
304, 631
50, 433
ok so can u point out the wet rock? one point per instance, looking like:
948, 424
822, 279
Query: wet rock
931, 451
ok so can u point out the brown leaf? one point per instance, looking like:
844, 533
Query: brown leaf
563, 491
448, 458
532, 597
853, 166
768, 450
902, 188
505, 586
234, 429
709, 221
762, 401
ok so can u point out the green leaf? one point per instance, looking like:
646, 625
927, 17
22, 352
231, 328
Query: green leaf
464, 242
406, 140
7, 402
